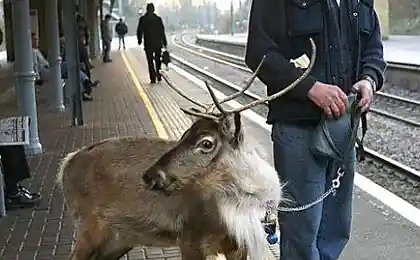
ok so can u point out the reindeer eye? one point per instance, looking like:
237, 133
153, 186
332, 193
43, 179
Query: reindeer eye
206, 145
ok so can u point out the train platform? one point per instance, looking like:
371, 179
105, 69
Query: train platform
125, 104
397, 49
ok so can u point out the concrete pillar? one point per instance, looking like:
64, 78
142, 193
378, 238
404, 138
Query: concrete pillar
8, 30
101, 10
60, 16
71, 35
54, 52
24, 73
93, 24
120, 8
382, 8
83, 7
101, 17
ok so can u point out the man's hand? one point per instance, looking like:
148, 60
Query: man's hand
330, 98
366, 91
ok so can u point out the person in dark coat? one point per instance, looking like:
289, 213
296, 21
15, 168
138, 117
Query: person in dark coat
121, 30
15, 169
151, 28
349, 58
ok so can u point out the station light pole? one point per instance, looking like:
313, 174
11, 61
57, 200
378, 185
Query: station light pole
232, 20
72, 59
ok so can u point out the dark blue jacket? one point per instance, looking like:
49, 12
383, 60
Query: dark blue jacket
121, 28
281, 30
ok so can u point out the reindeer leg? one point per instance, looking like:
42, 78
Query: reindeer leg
232, 251
113, 254
239, 254
111, 248
192, 251
82, 249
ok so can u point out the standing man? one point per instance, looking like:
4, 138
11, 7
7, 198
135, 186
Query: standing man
151, 27
106, 33
121, 30
349, 56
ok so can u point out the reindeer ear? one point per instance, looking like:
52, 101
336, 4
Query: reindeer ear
228, 125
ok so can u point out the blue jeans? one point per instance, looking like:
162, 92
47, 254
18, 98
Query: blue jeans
320, 232
83, 78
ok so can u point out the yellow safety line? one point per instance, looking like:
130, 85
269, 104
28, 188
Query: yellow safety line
151, 110
155, 119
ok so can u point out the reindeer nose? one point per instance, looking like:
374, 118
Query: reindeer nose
157, 179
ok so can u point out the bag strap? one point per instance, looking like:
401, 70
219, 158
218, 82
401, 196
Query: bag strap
356, 117
360, 151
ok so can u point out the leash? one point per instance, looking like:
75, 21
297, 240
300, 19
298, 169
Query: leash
269, 222
360, 154
335, 184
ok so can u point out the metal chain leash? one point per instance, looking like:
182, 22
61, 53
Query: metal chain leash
335, 184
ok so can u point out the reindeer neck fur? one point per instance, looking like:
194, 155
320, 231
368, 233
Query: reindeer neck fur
256, 184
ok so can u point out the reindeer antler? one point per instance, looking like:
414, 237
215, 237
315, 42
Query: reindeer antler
247, 86
285, 90
209, 108
172, 85
217, 103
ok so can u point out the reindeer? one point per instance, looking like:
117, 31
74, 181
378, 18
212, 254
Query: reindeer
206, 193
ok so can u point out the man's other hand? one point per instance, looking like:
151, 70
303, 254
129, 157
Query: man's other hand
366, 91
330, 98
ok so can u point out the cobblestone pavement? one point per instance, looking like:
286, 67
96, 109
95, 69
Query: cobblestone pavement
117, 110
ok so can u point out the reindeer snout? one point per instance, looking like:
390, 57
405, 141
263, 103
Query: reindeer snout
157, 179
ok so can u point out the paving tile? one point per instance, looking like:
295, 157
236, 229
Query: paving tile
46, 232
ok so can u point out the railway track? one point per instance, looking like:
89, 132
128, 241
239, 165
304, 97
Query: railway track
240, 61
394, 170
388, 101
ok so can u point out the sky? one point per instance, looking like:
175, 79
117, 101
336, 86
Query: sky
221, 4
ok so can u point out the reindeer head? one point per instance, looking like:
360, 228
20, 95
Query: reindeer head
211, 136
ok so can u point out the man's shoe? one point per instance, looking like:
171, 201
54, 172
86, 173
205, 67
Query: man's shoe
21, 200
25, 190
95, 83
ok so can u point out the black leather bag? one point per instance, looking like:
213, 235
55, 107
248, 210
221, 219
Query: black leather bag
329, 141
166, 57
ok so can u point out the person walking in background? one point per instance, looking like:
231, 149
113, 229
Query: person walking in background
121, 30
151, 28
106, 33
349, 59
